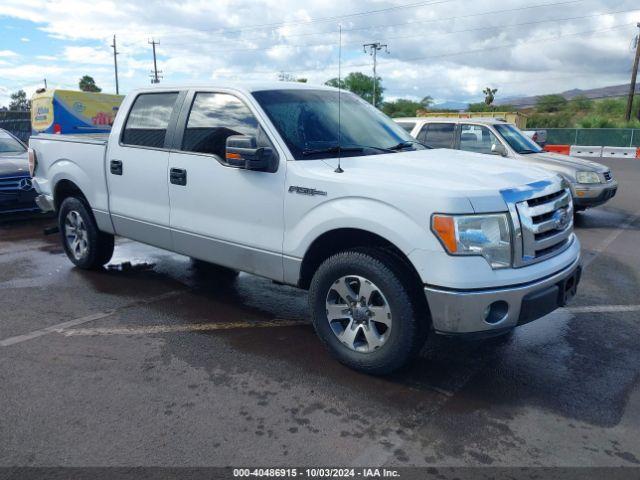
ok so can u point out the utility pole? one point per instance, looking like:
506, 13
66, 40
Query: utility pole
373, 49
155, 78
634, 74
45, 83
115, 63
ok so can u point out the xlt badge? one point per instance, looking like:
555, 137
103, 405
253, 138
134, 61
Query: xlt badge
306, 191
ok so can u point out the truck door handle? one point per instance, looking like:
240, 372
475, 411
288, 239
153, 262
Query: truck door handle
116, 167
178, 176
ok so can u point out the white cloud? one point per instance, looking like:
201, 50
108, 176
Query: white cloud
449, 50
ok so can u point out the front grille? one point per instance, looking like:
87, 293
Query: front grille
9, 184
542, 220
608, 176
546, 224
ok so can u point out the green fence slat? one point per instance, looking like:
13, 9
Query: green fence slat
605, 137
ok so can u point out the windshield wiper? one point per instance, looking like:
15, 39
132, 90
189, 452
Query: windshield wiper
527, 150
406, 144
340, 149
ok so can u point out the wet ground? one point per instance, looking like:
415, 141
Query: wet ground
156, 361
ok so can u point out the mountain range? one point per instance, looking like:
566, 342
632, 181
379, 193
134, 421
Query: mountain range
612, 91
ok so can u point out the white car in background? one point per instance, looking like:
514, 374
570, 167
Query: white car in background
592, 184
538, 136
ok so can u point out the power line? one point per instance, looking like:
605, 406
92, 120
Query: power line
496, 27
442, 19
462, 52
277, 25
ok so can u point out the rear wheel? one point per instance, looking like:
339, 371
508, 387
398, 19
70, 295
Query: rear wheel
85, 245
366, 312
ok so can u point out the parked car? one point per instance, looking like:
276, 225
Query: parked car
591, 183
392, 240
538, 136
16, 190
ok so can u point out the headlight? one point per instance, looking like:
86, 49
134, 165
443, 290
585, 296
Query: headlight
488, 236
587, 177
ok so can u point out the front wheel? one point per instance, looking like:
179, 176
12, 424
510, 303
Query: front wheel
85, 245
366, 312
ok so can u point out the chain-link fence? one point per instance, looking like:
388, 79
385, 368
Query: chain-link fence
18, 123
605, 137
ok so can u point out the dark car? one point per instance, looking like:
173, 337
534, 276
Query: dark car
16, 191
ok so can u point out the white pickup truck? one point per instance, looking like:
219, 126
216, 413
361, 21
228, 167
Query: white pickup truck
317, 189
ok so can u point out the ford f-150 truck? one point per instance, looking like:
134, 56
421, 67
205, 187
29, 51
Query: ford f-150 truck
315, 188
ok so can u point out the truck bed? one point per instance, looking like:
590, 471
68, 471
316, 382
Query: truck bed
92, 138
79, 159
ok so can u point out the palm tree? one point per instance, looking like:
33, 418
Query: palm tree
489, 95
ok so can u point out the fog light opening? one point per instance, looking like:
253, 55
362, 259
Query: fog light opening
496, 312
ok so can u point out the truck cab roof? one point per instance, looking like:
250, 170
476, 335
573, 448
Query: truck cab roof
247, 87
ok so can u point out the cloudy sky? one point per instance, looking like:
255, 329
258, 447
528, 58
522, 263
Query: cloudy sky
449, 49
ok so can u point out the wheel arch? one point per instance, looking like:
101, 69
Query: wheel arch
342, 239
65, 188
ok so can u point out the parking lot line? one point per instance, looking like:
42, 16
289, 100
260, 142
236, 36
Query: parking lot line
604, 309
192, 327
79, 321
611, 238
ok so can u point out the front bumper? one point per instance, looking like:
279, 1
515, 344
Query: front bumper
19, 201
586, 196
45, 203
486, 311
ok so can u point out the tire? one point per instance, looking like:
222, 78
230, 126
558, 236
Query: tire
86, 246
376, 347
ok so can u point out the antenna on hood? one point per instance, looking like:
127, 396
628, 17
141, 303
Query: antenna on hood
339, 169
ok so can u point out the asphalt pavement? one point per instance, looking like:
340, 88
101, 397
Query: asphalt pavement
156, 362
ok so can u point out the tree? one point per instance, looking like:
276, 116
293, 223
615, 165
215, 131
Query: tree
426, 102
551, 103
19, 101
88, 84
581, 103
360, 84
489, 95
403, 107
287, 77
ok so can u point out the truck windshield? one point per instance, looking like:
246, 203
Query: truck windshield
516, 139
307, 120
9, 144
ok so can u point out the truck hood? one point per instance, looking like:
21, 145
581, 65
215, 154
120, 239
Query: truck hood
443, 169
558, 162
14, 165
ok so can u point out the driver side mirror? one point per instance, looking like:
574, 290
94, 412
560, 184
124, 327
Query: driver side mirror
499, 149
242, 151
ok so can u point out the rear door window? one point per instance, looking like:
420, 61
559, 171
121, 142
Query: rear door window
437, 135
148, 120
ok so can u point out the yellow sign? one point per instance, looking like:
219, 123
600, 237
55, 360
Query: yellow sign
68, 111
